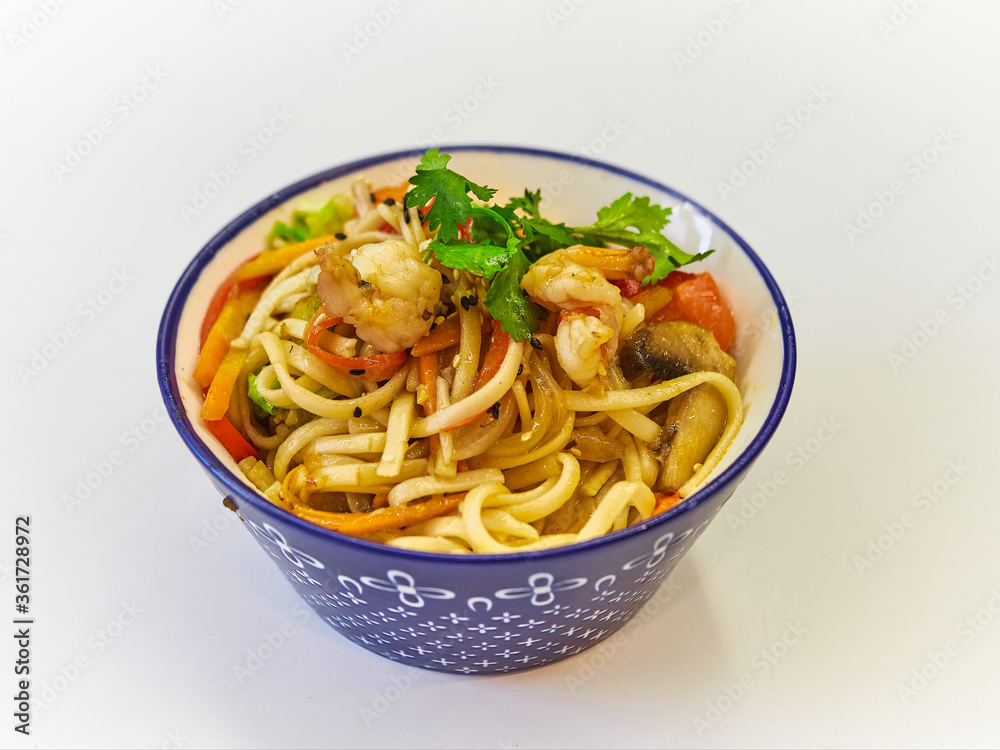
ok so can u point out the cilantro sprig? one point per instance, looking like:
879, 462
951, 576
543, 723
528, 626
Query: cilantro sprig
505, 240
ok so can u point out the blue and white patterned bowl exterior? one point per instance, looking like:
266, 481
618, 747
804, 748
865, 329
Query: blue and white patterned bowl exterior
489, 613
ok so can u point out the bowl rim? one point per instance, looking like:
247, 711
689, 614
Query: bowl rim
166, 350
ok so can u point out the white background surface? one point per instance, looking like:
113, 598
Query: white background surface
137, 558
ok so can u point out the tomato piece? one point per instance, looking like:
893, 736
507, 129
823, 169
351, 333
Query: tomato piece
697, 300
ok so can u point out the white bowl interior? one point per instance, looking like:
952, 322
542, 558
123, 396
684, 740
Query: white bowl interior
572, 193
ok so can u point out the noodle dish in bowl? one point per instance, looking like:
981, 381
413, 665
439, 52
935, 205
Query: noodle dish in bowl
494, 390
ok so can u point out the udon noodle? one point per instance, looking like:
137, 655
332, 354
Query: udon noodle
410, 417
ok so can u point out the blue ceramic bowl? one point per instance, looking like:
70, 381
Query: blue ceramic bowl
488, 613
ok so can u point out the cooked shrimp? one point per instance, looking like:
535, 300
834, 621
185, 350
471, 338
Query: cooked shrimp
384, 290
580, 346
591, 312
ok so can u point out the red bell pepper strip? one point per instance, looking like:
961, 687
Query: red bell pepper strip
372, 369
231, 439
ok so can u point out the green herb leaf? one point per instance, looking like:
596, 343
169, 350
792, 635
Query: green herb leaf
450, 191
507, 303
482, 259
506, 239
630, 221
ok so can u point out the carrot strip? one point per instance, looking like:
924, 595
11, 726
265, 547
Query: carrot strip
382, 518
495, 353
221, 390
270, 262
396, 192
427, 371
231, 439
227, 326
665, 502
444, 335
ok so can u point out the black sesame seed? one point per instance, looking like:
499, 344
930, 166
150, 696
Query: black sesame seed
420, 214
390, 201
535, 343
465, 303
364, 283
357, 411
406, 217
357, 372
473, 300
520, 369
495, 410
340, 236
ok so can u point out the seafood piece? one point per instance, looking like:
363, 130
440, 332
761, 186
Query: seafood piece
581, 342
384, 290
591, 311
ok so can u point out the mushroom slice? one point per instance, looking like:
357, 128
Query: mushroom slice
669, 350
695, 419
